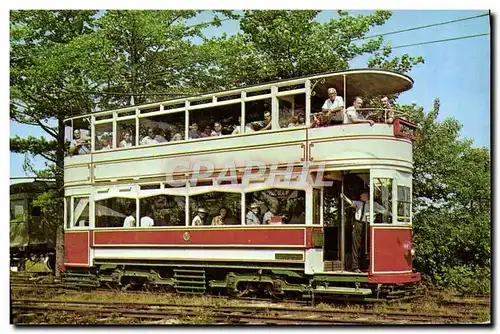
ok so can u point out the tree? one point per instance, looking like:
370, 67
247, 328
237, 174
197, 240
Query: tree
281, 44
452, 194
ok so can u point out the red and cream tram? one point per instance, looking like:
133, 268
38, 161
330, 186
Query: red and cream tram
236, 191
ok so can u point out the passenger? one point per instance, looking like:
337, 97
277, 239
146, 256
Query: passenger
78, 145
252, 218
199, 219
127, 139
353, 116
267, 121
217, 132
193, 131
268, 215
333, 108
389, 108
297, 121
176, 137
152, 138
362, 212
146, 220
105, 142
237, 128
221, 218
207, 132
130, 219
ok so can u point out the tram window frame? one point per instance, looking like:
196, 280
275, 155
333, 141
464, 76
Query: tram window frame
406, 204
99, 134
166, 127
73, 209
233, 214
388, 219
284, 98
115, 196
205, 116
249, 200
149, 198
68, 208
84, 125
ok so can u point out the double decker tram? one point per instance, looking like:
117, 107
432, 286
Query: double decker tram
244, 191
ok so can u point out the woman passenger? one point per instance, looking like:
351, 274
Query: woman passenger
221, 218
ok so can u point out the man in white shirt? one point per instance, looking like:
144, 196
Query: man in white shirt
361, 216
251, 218
130, 219
333, 107
146, 220
217, 131
199, 218
353, 116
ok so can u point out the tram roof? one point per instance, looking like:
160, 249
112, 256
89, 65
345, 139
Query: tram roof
362, 82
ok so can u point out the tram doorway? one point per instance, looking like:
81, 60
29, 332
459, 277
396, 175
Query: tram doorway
338, 220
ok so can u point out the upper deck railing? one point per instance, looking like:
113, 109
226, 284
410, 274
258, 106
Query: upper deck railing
274, 106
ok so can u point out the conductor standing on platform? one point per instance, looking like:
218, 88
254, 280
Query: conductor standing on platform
362, 212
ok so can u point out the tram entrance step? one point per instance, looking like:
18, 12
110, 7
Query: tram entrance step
332, 265
190, 281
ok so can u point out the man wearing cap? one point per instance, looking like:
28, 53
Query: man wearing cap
388, 109
362, 212
251, 218
199, 218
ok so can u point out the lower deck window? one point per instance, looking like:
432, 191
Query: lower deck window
404, 204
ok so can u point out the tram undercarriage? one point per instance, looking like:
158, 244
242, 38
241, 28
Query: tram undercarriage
238, 281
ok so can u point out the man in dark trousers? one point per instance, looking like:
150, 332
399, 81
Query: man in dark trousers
361, 217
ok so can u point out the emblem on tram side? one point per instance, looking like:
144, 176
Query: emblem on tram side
186, 236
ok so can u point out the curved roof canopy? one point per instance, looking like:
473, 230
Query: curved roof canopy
364, 82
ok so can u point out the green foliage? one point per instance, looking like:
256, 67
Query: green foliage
452, 194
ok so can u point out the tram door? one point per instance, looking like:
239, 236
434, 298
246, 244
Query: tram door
337, 253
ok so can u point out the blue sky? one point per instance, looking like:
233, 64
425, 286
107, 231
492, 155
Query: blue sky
457, 72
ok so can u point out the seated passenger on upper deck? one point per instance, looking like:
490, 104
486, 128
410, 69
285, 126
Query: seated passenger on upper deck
105, 142
217, 132
193, 131
267, 121
386, 104
353, 116
127, 139
146, 220
333, 108
176, 137
152, 138
130, 219
78, 145
207, 132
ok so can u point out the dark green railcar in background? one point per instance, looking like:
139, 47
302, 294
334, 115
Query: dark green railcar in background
32, 235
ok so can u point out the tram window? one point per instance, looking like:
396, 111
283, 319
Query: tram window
80, 139
103, 136
112, 212
215, 208
161, 128
17, 209
125, 133
80, 212
404, 204
255, 115
276, 207
316, 206
213, 122
164, 210
383, 196
292, 110
68, 212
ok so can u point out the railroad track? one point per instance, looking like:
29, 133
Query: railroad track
234, 314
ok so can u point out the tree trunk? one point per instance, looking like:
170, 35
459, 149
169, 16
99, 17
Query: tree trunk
60, 195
